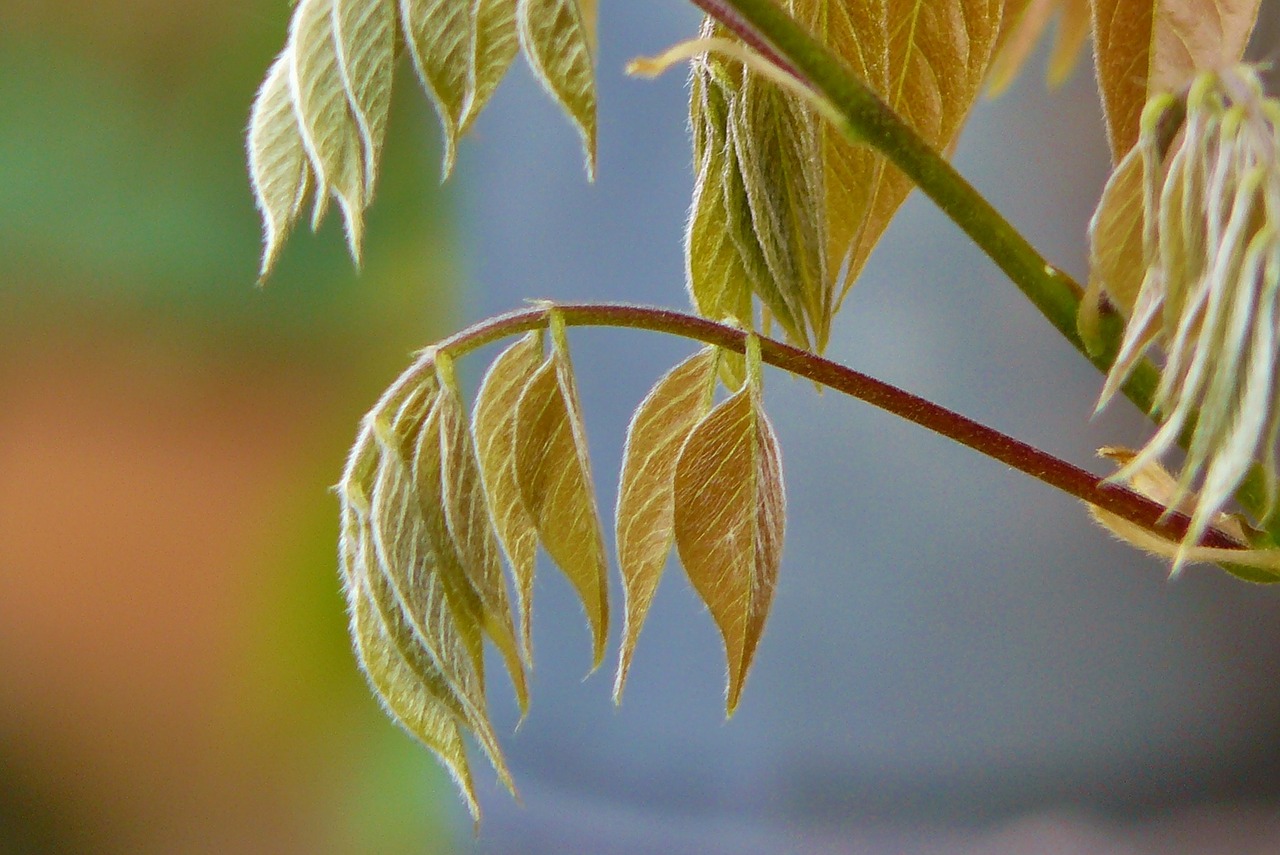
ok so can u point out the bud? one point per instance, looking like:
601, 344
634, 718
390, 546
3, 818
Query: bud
1211, 251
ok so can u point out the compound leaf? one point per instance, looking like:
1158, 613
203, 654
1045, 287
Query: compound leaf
646, 492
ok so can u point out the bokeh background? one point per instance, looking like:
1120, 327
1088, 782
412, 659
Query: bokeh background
957, 660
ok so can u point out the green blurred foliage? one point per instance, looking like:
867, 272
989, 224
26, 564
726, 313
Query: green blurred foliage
125, 216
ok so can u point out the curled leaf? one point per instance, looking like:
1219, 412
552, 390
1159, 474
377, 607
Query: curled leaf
559, 39
554, 476
729, 515
493, 425
646, 493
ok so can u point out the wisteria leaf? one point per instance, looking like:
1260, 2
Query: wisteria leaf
493, 425
439, 35
1023, 32
407, 700
278, 167
329, 131
559, 39
466, 511
1116, 265
1142, 47
556, 488
364, 37
646, 492
729, 515
494, 46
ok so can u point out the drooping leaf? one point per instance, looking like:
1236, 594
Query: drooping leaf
646, 491
407, 700
1142, 47
554, 476
729, 515
494, 46
364, 38
1116, 265
278, 167
330, 133
410, 590
493, 425
466, 513
1023, 31
438, 33
559, 39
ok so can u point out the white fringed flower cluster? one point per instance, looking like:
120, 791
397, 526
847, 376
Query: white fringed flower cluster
1211, 246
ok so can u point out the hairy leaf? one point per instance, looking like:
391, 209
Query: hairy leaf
1116, 265
646, 492
493, 424
729, 516
278, 167
330, 132
559, 39
466, 512
1023, 31
364, 36
1147, 46
407, 700
555, 485
438, 33
494, 46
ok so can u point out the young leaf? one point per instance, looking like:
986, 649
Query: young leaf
493, 425
364, 37
278, 167
1022, 33
1116, 264
555, 484
646, 492
559, 39
466, 512
1142, 47
729, 514
494, 45
329, 131
438, 33
407, 700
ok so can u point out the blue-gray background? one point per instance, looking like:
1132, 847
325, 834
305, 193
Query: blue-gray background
952, 646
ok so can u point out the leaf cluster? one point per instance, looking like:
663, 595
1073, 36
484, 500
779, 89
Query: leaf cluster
430, 499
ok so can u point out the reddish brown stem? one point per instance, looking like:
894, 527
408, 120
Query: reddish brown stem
1041, 465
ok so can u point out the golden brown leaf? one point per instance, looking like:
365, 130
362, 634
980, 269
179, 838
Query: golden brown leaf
646, 492
554, 475
1023, 31
729, 515
559, 39
493, 425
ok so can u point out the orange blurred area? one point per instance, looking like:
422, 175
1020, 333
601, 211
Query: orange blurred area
174, 668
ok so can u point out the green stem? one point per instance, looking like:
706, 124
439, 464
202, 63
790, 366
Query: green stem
1039, 464
869, 120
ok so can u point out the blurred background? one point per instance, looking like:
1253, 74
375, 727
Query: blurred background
957, 661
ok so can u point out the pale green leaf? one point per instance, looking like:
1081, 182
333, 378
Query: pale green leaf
729, 515
494, 46
364, 37
559, 40
407, 700
329, 130
466, 512
646, 491
1116, 264
493, 425
555, 486
278, 168
438, 33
